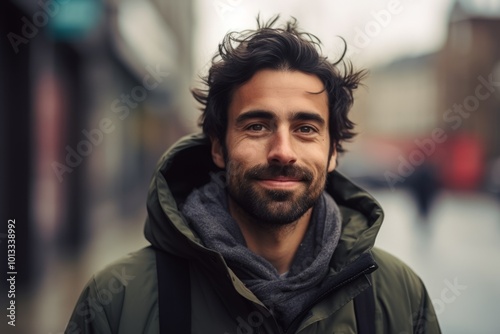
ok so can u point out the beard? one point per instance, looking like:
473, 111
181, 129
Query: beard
274, 208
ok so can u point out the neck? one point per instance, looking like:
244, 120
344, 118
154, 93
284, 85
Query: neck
277, 245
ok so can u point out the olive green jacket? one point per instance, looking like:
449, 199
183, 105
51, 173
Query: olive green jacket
123, 299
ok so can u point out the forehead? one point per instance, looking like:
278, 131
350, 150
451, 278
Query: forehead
280, 92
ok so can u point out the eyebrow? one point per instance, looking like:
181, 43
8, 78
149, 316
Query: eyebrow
308, 116
268, 115
253, 114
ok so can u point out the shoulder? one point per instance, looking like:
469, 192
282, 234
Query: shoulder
402, 297
125, 293
392, 270
396, 285
129, 269
132, 277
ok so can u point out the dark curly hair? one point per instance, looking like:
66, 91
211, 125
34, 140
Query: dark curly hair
242, 54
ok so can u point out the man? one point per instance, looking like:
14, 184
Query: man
271, 238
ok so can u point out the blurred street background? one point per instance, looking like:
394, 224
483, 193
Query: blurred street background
92, 92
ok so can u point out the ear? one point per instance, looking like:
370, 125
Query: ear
218, 154
332, 163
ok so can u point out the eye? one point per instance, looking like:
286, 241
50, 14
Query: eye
255, 127
306, 129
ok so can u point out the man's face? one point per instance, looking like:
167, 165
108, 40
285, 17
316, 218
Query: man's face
277, 146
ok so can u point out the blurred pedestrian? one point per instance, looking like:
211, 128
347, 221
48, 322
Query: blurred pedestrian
423, 184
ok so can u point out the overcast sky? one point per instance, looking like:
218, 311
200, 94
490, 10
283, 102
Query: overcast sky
378, 31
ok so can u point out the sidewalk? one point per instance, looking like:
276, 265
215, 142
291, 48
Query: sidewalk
456, 253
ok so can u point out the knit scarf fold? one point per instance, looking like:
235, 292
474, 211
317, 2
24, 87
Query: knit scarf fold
286, 295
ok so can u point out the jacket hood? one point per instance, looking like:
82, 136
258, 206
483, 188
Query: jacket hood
188, 165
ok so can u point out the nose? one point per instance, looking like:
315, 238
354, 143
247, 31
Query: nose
281, 150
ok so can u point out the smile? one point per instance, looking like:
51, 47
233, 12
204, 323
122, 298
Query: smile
280, 182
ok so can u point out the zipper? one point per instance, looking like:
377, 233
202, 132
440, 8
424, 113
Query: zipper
326, 293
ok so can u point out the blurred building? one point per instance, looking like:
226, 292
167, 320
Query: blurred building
440, 109
469, 80
91, 93
402, 99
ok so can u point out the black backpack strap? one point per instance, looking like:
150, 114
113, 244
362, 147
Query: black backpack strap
364, 306
174, 293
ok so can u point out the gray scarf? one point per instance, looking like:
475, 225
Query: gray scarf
286, 296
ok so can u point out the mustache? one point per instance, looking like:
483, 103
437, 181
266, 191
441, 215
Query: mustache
260, 172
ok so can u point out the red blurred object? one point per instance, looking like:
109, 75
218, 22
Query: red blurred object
463, 163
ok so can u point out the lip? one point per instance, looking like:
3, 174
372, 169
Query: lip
280, 182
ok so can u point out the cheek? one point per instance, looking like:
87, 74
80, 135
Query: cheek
245, 151
235, 173
316, 157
